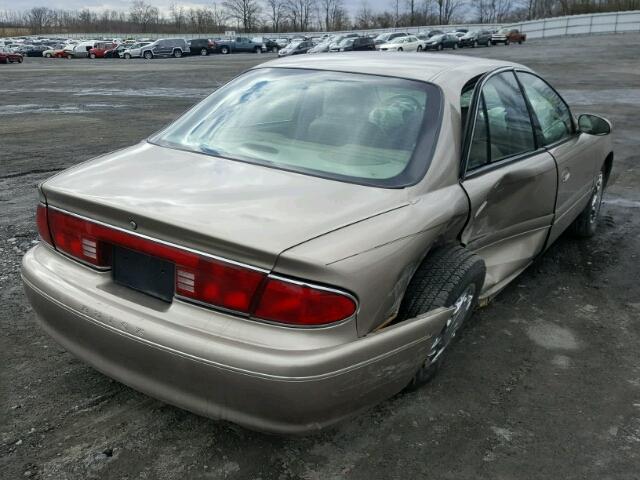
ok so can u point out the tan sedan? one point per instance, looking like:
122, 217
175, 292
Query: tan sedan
309, 239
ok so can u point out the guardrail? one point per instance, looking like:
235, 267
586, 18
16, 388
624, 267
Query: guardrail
585, 24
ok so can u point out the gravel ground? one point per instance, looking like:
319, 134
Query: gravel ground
544, 383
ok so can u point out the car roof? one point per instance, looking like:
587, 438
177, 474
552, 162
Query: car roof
413, 66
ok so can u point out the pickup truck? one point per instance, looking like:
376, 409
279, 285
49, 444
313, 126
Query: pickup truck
238, 44
507, 36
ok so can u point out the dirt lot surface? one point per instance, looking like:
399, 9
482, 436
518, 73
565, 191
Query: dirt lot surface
544, 383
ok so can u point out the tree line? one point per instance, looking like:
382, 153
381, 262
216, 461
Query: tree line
291, 15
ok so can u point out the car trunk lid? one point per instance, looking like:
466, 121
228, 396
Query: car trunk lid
236, 210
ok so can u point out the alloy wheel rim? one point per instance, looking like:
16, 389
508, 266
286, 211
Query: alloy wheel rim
461, 308
596, 199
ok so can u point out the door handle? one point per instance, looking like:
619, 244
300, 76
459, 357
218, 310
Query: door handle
566, 174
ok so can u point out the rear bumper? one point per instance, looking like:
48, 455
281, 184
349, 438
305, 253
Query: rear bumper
165, 353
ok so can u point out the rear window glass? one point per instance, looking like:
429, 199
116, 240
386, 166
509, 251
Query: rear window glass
363, 128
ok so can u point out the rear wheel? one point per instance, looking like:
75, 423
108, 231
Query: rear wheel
257, 50
400, 49
177, 53
506, 42
204, 52
449, 277
419, 48
20, 59
127, 56
587, 222
274, 49
148, 55
455, 46
224, 50
92, 56
440, 47
475, 43
47, 55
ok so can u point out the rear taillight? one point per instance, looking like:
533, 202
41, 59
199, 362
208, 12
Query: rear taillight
296, 303
215, 283
200, 277
43, 224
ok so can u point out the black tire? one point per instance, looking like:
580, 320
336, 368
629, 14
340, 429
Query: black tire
177, 53
446, 275
204, 52
400, 49
586, 224
506, 43
148, 55
127, 56
419, 49
224, 50
20, 59
455, 46
519, 42
440, 47
257, 50
274, 49
92, 56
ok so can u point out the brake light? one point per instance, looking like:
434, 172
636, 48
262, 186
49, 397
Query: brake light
300, 304
43, 224
79, 238
219, 284
199, 277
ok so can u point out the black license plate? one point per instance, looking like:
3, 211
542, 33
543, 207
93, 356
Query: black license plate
142, 272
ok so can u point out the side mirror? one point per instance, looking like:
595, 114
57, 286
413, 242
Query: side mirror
593, 125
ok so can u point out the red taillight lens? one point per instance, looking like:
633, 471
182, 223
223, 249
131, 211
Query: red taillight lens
299, 304
43, 224
199, 277
79, 238
212, 282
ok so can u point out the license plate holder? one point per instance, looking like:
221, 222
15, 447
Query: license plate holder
144, 273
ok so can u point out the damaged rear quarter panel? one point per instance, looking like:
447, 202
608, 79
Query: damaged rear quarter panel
375, 259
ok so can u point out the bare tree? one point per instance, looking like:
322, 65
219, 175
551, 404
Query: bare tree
300, 13
244, 12
275, 13
38, 19
143, 14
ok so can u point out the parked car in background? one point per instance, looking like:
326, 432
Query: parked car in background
133, 51
238, 45
34, 50
116, 51
201, 46
323, 46
507, 36
165, 47
336, 39
81, 50
63, 52
7, 55
440, 42
282, 42
296, 48
101, 48
409, 43
475, 38
355, 44
431, 33
387, 37
270, 45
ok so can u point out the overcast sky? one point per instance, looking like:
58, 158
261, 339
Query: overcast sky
351, 5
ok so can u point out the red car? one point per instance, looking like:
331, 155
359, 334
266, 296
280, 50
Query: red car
7, 56
101, 48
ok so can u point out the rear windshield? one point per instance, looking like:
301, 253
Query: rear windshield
361, 128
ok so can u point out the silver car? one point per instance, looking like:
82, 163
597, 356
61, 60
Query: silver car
309, 239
